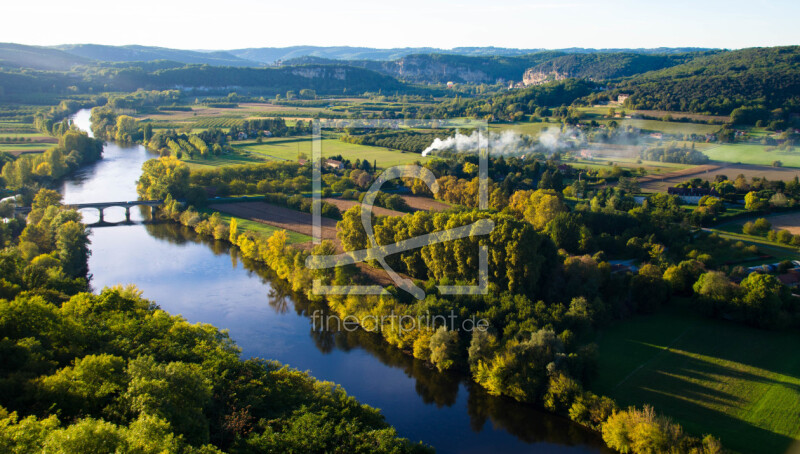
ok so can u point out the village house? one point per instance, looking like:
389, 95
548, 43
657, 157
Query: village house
334, 164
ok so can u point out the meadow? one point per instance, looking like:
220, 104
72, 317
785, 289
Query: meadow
261, 228
288, 149
752, 154
741, 384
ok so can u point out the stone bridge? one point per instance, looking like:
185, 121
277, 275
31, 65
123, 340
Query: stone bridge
100, 206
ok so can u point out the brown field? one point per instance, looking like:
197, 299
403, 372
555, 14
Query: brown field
656, 183
244, 110
420, 203
18, 153
296, 221
662, 181
344, 205
277, 216
790, 222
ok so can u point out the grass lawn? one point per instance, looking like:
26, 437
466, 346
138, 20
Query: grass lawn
257, 227
737, 383
528, 128
25, 147
752, 154
287, 149
222, 161
669, 127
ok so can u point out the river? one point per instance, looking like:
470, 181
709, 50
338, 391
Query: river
205, 281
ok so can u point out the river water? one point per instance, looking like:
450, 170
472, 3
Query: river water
205, 281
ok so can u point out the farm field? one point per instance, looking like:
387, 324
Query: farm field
344, 205
668, 127
741, 384
277, 217
529, 128
223, 161
602, 110
22, 148
259, 227
245, 110
752, 154
605, 162
790, 222
419, 203
288, 148
710, 171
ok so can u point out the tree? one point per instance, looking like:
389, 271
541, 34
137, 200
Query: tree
714, 291
72, 245
640, 431
763, 299
350, 230
753, 202
537, 207
234, 231
444, 348
162, 177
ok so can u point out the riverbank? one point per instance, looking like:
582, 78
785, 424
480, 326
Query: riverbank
208, 281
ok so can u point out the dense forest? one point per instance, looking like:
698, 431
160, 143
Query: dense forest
111, 372
719, 83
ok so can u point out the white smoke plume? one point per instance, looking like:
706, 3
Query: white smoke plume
508, 142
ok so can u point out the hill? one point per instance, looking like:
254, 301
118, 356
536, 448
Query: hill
605, 65
443, 68
135, 53
721, 82
35, 57
271, 55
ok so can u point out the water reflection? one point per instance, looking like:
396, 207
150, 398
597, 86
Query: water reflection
206, 281
485, 413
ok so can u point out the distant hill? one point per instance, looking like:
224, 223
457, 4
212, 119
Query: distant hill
544, 65
135, 53
718, 83
442, 68
35, 57
270, 55
605, 65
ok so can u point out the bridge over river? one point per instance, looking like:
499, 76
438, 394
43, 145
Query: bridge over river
101, 206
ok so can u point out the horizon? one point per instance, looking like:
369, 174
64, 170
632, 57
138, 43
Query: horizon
524, 25
334, 46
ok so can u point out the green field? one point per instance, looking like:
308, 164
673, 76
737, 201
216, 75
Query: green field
668, 127
528, 128
737, 383
288, 148
223, 161
752, 154
257, 227
25, 147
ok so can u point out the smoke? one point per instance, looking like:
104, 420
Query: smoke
509, 143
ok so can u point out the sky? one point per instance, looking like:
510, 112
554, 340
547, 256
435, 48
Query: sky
550, 24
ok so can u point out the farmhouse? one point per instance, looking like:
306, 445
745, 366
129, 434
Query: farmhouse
334, 164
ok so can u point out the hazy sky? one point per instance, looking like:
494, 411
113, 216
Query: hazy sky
446, 24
